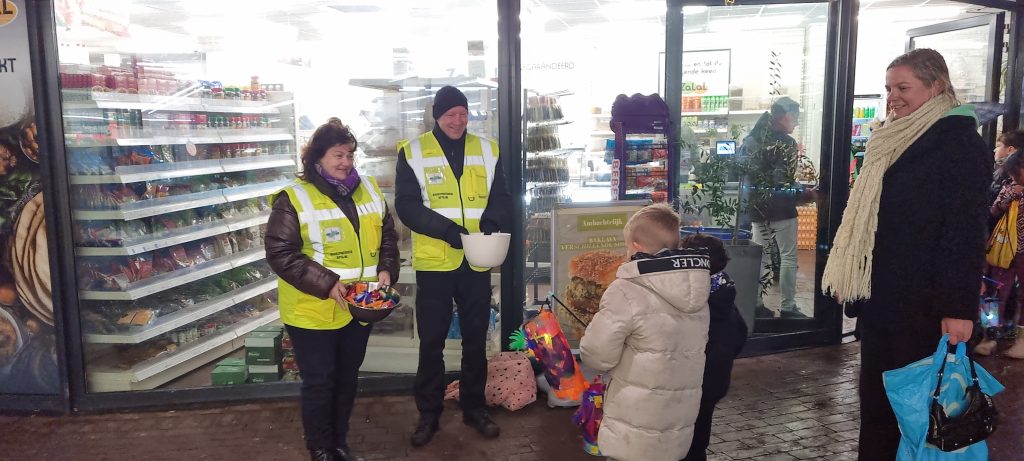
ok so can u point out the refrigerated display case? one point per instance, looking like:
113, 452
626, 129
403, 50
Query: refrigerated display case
169, 177
868, 113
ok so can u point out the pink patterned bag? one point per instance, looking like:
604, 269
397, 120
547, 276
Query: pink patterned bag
510, 382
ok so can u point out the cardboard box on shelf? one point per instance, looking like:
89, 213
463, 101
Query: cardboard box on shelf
232, 361
264, 373
224, 375
263, 348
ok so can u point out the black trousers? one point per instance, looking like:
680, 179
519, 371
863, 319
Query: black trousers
887, 346
435, 291
329, 362
717, 377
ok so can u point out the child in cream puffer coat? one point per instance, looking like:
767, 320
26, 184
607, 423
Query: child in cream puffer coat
649, 338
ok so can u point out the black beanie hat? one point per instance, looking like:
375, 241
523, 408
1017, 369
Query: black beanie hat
446, 98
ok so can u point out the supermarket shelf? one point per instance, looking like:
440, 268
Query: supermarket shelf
177, 236
160, 369
548, 123
554, 152
720, 112
748, 112
176, 278
138, 173
87, 99
158, 206
408, 275
187, 315
151, 137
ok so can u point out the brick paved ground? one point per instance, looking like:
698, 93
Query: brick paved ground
799, 405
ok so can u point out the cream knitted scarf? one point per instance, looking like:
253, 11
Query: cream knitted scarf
847, 274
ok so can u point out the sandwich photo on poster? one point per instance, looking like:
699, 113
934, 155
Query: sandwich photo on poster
588, 249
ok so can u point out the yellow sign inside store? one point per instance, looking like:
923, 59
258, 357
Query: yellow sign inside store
8, 11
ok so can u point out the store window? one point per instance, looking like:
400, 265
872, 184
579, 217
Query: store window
752, 102
180, 118
605, 49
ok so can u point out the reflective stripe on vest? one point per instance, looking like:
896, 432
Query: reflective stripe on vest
462, 200
330, 239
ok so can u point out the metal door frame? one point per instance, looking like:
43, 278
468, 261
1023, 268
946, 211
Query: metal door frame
993, 63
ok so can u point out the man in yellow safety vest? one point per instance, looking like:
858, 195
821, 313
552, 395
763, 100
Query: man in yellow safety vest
448, 183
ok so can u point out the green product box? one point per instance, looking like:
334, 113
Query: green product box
232, 361
224, 375
263, 348
272, 328
264, 373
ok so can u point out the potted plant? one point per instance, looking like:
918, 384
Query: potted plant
713, 204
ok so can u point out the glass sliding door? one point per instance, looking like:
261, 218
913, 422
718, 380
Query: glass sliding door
752, 109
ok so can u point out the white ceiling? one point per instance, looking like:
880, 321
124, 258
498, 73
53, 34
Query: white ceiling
206, 22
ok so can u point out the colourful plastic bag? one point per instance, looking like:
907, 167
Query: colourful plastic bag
547, 342
1002, 244
910, 393
588, 417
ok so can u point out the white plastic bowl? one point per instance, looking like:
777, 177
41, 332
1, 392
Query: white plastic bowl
484, 250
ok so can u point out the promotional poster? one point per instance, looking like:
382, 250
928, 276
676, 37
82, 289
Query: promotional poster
28, 354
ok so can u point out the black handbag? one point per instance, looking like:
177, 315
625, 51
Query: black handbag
975, 424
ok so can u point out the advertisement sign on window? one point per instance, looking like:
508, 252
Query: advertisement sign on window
588, 248
28, 357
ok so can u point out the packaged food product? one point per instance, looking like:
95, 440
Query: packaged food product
138, 317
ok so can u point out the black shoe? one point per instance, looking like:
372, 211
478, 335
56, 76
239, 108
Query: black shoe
762, 312
321, 454
343, 454
793, 315
482, 422
425, 430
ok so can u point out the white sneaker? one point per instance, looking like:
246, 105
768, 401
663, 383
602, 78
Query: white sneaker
985, 347
1017, 350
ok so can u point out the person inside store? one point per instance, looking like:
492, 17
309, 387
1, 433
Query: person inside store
1007, 278
774, 195
330, 228
448, 183
909, 251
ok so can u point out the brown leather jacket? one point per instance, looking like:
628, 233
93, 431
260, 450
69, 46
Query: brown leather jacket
284, 243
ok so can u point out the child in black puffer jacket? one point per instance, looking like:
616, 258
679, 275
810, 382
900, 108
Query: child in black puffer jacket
726, 336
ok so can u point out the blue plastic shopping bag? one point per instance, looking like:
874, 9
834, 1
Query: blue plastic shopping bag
910, 393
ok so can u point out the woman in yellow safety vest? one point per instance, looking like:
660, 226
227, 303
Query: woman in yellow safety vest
328, 229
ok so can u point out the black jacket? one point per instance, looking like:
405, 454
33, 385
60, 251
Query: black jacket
727, 333
773, 166
421, 219
284, 243
930, 244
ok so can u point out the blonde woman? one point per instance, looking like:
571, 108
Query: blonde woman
911, 247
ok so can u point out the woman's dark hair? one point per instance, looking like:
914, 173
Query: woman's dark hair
1013, 139
1013, 164
716, 249
328, 135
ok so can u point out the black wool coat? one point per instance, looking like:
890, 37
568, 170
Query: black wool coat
930, 246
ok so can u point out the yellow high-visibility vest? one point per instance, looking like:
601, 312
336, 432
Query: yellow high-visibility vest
331, 240
462, 200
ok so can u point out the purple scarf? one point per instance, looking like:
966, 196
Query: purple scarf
344, 186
